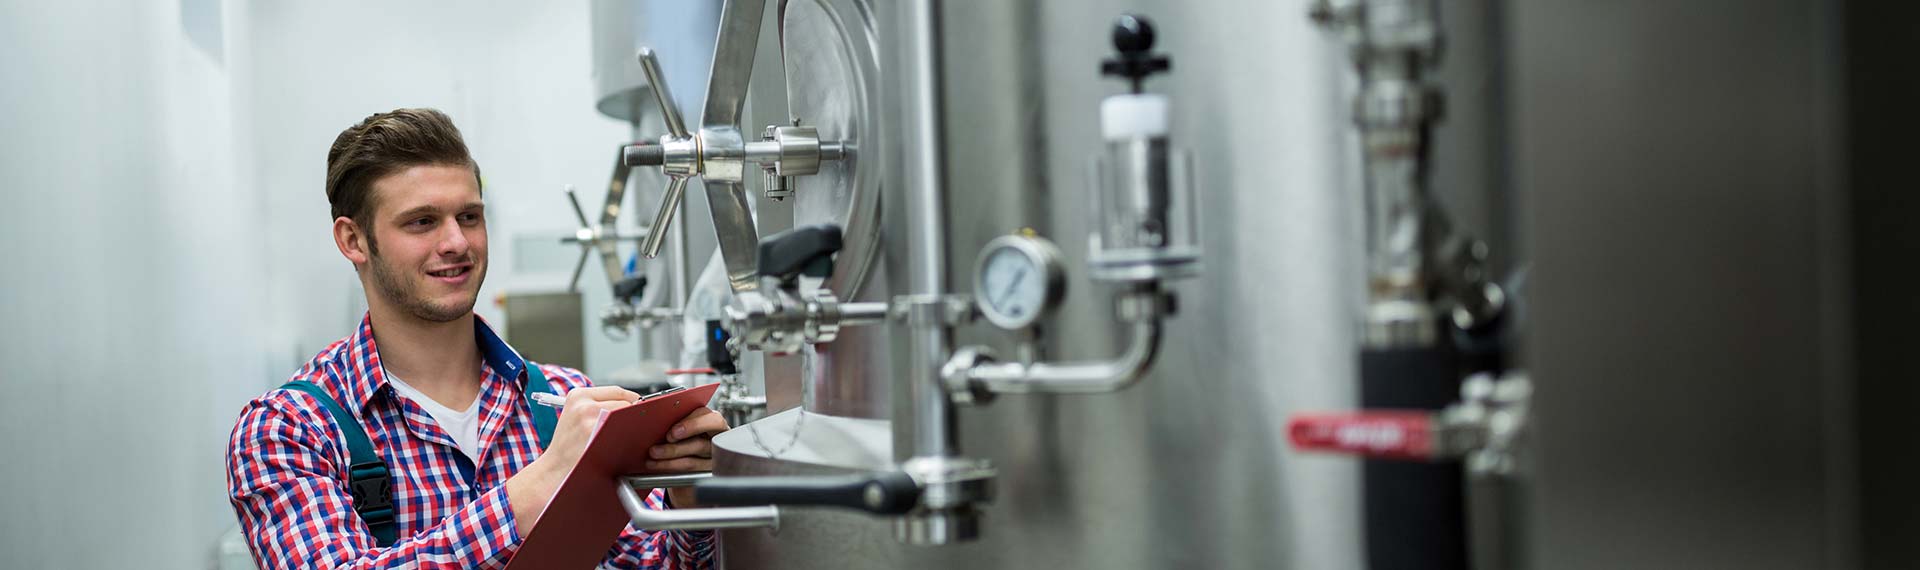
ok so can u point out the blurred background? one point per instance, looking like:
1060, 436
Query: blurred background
1712, 198
170, 256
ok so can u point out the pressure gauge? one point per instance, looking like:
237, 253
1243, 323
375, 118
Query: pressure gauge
1017, 280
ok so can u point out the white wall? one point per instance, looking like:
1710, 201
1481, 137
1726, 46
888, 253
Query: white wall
164, 253
515, 77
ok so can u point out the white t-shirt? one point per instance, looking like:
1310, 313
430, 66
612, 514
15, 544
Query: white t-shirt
462, 426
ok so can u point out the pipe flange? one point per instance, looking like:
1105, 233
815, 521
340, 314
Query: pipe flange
680, 157
956, 375
949, 482
823, 318
799, 150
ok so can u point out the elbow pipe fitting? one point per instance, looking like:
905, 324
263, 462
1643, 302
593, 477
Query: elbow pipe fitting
689, 519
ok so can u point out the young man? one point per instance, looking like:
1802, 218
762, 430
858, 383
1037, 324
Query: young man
441, 399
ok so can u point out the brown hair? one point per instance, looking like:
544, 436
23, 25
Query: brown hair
383, 144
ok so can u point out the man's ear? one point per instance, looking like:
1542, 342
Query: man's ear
352, 240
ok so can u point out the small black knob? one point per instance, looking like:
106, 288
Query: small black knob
1133, 38
1132, 35
800, 251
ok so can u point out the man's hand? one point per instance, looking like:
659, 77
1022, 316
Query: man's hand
529, 490
689, 448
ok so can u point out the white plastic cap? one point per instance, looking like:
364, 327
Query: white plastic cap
1131, 116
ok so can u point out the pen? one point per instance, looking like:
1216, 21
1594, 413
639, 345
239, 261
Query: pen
555, 401
549, 400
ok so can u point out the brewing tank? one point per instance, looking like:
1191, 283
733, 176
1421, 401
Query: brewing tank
1190, 467
622, 27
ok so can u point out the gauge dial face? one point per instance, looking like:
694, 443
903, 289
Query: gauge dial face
1016, 283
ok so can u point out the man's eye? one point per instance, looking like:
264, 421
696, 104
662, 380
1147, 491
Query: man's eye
469, 218
421, 222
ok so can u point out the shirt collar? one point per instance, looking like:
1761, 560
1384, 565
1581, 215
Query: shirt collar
365, 376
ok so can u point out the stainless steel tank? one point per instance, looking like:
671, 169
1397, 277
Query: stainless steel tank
1188, 469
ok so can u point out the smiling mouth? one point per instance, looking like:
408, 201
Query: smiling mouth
451, 272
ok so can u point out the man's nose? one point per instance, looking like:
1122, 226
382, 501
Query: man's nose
453, 241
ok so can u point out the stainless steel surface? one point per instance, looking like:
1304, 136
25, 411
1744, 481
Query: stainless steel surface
832, 82
1092, 481
694, 519
546, 327
734, 230
1688, 239
620, 91
732, 62
918, 87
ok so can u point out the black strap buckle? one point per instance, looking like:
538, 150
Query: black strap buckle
372, 489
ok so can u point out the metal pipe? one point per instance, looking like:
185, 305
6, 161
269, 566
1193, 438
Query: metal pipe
693, 519
853, 314
932, 411
833, 150
1076, 378
667, 481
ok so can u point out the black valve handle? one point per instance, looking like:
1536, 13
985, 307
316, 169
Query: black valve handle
1133, 39
806, 250
630, 289
882, 492
719, 358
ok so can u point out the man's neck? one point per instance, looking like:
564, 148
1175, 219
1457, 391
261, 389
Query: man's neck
441, 360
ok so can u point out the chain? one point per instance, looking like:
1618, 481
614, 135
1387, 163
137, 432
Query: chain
754, 429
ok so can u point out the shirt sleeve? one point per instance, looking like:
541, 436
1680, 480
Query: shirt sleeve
287, 485
639, 549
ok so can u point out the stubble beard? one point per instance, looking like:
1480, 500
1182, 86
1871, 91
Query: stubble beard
405, 294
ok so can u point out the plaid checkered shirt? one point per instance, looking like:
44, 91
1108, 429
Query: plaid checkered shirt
287, 471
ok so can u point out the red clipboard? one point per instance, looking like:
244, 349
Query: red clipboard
584, 517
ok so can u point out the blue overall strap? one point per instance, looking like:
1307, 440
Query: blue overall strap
544, 418
508, 363
367, 474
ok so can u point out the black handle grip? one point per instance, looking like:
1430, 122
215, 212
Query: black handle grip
718, 357
806, 250
884, 492
630, 289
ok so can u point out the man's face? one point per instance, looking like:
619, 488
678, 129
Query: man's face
429, 233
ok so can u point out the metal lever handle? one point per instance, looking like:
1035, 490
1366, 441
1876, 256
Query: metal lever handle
656, 155
1394, 434
668, 112
885, 492
688, 519
669, 204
